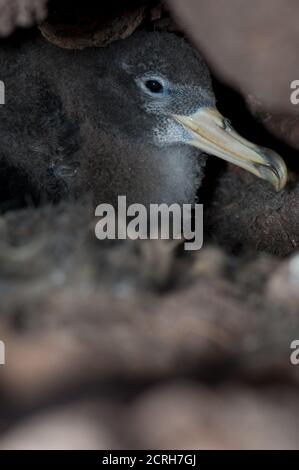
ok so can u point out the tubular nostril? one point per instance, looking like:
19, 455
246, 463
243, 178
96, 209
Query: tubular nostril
227, 125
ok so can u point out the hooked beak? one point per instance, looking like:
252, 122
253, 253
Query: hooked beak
212, 133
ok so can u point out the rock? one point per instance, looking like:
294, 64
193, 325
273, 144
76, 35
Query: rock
120, 321
285, 126
73, 427
283, 286
93, 24
253, 46
20, 13
186, 416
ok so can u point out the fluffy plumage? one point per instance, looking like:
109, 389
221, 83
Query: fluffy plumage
82, 121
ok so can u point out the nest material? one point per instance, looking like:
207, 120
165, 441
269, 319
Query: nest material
112, 318
247, 214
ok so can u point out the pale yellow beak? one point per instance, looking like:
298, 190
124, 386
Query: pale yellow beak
213, 134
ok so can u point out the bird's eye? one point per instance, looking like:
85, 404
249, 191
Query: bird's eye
154, 86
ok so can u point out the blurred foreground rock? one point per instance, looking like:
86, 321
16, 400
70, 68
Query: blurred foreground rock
181, 415
138, 345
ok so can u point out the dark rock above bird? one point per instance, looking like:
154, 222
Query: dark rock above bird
135, 119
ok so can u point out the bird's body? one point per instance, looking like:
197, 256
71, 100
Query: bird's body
73, 123
106, 121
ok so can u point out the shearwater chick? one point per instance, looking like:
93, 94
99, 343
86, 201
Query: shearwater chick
136, 118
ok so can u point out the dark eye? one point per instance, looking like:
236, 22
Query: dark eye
154, 86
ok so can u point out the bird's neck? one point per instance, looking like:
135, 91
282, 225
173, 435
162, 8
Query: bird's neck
147, 174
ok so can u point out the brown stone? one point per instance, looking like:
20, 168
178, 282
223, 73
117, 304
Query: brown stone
251, 45
97, 25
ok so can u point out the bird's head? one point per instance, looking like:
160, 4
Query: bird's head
160, 84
